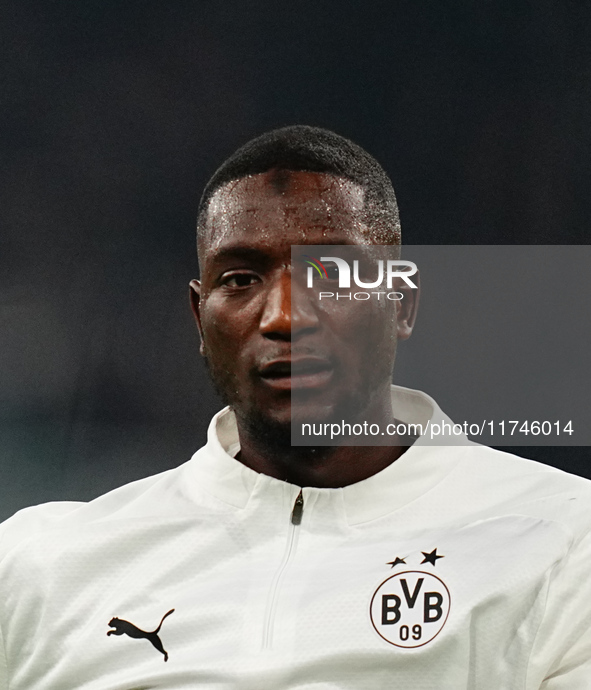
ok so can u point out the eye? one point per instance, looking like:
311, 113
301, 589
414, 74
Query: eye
239, 279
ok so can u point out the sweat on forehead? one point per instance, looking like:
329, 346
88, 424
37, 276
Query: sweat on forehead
279, 198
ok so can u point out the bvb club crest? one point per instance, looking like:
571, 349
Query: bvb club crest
410, 608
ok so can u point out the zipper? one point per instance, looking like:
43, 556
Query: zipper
298, 509
294, 522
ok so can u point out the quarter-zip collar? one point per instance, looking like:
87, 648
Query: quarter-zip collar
419, 469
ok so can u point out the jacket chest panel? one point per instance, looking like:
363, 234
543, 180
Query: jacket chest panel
294, 602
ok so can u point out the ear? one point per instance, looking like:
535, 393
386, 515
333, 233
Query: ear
407, 307
195, 299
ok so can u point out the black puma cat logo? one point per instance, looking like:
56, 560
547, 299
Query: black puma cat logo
126, 628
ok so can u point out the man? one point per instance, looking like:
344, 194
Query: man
262, 565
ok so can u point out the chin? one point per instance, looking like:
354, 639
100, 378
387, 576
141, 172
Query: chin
334, 406
271, 423
270, 429
311, 412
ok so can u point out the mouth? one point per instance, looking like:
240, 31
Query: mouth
297, 374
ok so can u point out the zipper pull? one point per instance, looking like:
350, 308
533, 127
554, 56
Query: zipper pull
298, 509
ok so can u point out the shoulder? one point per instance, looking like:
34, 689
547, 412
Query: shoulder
33, 520
151, 495
500, 482
495, 464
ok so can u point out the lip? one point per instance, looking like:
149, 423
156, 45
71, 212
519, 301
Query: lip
297, 373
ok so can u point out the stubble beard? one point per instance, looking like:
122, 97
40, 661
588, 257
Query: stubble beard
277, 435
265, 430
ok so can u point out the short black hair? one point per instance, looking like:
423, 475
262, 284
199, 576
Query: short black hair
313, 149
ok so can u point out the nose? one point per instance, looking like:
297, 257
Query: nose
284, 318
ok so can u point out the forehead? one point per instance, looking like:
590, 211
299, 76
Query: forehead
281, 207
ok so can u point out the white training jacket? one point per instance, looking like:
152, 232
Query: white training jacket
453, 568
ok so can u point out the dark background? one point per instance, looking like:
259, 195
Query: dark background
114, 115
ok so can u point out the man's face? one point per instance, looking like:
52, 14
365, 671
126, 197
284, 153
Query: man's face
272, 348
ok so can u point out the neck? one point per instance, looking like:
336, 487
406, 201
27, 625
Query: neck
323, 466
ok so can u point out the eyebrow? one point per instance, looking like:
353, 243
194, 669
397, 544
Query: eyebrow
247, 251
331, 243
239, 251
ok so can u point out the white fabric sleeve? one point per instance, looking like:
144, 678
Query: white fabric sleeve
562, 650
3, 667
12, 531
